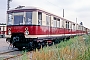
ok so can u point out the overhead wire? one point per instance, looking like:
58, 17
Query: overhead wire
54, 4
59, 8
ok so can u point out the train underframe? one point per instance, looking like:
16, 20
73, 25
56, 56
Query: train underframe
19, 41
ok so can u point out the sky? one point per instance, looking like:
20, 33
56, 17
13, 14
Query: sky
73, 9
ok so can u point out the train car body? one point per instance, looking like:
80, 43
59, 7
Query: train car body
2, 30
30, 27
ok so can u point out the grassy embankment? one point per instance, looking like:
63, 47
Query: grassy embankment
76, 48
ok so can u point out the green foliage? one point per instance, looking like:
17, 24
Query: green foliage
77, 48
67, 42
86, 55
1, 58
24, 56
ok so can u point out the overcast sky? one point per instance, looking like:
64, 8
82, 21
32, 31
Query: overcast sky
73, 9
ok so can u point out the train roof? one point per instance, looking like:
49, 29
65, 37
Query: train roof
23, 7
31, 8
2, 24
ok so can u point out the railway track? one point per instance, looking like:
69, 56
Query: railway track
7, 54
14, 55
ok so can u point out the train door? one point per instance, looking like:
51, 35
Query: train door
48, 22
0, 30
49, 25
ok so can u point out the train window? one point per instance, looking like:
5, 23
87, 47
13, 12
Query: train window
39, 18
68, 25
18, 19
55, 22
62, 23
58, 22
78, 27
10, 19
28, 18
48, 20
73, 26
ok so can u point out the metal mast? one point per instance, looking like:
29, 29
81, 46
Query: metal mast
76, 27
63, 23
63, 13
8, 4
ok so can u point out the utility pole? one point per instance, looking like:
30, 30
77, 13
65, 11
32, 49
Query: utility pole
63, 23
63, 13
81, 27
8, 4
76, 27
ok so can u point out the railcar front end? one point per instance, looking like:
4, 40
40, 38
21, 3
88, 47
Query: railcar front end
21, 28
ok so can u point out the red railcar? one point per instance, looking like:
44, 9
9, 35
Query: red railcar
2, 30
31, 27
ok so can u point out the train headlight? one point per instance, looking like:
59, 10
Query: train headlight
9, 32
26, 32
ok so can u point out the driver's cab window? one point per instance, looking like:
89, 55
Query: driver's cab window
18, 18
10, 18
28, 18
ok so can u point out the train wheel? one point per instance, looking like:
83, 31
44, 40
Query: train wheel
49, 43
1, 36
30, 46
39, 46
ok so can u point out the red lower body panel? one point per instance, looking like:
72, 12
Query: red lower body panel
42, 30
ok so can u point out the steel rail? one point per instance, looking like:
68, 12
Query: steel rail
18, 56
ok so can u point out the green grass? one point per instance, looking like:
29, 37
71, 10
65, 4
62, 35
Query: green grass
75, 48
24, 56
1, 58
